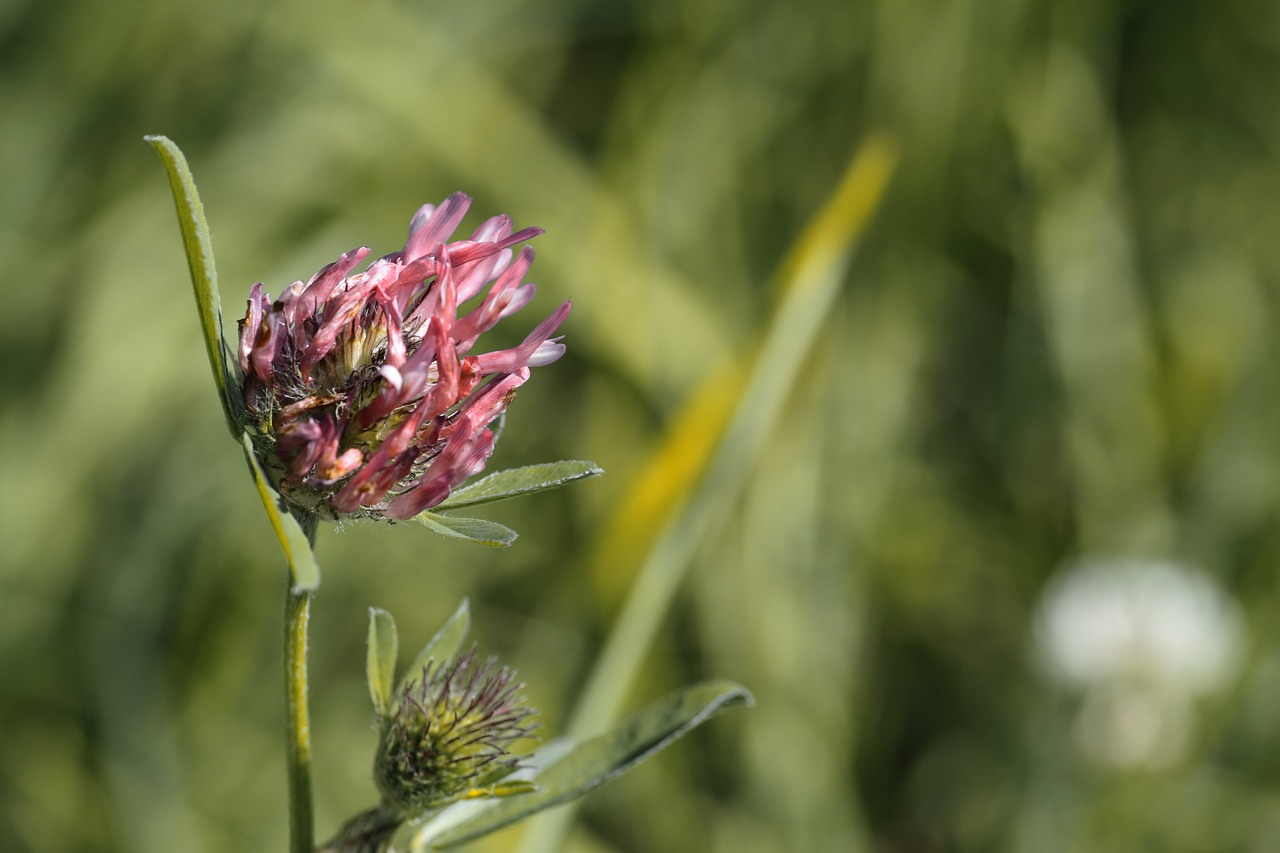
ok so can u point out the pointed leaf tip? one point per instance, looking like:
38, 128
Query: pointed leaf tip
513, 482
445, 645
481, 531
381, 660
204, 276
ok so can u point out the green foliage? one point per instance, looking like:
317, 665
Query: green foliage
512, 482
478, 530
561, 771
446, 644
292, 538
564, 770
380, 668
204, 275
499, 486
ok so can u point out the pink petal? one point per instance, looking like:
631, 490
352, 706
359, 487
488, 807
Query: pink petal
299, 444
454, 464
412, 282
472, 277
548, 352
492, 229
429, 230
395, 336
446, 312
322, 284
483, 408
509, 360
412, 502
330, 469
374, 480
392, 375
482, 318
470, 251
266, 345
345, 309
252, 322
445, 393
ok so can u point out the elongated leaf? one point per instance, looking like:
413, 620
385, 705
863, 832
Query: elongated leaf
478, 530
204, 276
444, 645
293, 540
381, 661
520, 481
586, 765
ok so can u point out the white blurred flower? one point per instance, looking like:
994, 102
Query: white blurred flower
1141, 639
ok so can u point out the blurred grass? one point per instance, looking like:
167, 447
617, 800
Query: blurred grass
1058, 337
736, 417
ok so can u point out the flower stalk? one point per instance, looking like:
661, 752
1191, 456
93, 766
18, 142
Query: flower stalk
297, 615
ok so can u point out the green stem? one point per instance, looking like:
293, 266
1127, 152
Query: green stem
297, 613
368, 832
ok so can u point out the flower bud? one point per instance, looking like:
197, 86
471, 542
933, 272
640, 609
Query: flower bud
448, 734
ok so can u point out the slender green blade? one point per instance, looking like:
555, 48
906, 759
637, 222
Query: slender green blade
520, 481
293, 540
443, 646
810, 282
478, 530
587, 765
380, 664
204, 276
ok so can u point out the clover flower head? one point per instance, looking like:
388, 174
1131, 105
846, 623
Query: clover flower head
449, 734
364, 395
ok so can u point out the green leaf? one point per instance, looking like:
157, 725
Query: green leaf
520, 481
293, 539
443, 646
569, 772
204, 277
380, 663
482, 531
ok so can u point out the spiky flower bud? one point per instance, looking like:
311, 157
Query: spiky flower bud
448, 735
363, 395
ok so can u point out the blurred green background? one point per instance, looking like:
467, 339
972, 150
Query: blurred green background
1057, 340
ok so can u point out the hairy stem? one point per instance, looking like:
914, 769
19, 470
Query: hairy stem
297, 613
368, 832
